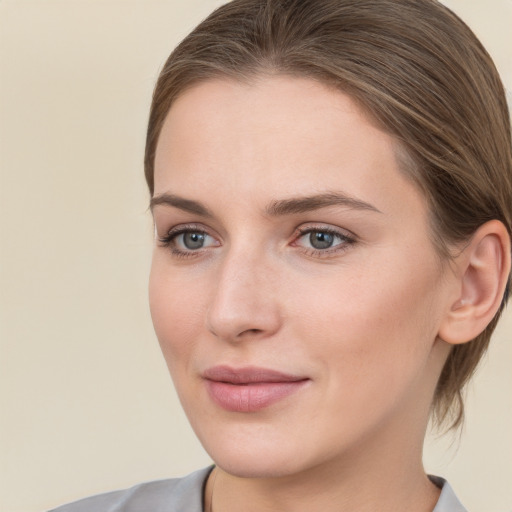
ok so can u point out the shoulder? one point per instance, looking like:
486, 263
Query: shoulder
448, 501
173, 495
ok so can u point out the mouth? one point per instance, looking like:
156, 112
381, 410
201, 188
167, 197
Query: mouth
250, 389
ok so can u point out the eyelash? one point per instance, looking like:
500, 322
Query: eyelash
346, 240
169, 240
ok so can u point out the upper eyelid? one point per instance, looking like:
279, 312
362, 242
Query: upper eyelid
184, 227
328, 228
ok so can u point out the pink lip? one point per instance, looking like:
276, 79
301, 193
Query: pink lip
249, 389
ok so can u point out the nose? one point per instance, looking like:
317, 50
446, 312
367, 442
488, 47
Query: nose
245, 303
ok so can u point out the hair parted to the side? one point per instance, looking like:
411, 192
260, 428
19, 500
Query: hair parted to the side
416, 69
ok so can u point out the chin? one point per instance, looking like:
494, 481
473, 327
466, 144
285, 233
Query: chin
275, 454
255, 454
267, 466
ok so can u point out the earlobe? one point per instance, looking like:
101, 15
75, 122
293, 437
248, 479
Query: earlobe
482, 272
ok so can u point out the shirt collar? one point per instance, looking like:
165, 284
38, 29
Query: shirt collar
448, 501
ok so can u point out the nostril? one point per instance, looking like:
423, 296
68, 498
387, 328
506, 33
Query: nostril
251, 331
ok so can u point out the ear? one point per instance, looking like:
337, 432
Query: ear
482, 271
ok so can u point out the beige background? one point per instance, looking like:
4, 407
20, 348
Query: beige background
85, 401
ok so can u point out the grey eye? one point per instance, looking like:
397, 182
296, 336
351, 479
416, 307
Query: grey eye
193, 240
321, 240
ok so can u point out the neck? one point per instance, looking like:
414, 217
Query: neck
308, 493
380, 475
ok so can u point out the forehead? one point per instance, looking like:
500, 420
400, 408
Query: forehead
273, 136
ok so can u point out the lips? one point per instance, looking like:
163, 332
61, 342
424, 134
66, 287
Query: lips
249, 389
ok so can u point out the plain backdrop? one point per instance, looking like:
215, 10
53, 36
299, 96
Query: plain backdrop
86, 404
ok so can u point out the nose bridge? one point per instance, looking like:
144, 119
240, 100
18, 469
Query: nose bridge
243, 302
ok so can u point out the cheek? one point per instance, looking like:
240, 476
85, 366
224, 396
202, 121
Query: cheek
372, 330
177, 315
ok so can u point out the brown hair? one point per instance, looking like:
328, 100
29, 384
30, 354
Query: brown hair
416, 69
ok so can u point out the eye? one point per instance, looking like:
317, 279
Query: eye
192, 240
187, 240
323, 240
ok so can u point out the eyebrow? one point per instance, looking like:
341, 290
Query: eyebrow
275, 208
316, 202
181, 203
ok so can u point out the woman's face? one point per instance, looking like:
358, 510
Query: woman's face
294, 289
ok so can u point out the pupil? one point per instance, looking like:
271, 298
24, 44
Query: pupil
321, 240
193, 240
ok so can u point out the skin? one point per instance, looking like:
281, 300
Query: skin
359, 320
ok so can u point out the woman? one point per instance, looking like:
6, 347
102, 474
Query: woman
331, 188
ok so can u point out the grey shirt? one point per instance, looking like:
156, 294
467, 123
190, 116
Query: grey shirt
186, 495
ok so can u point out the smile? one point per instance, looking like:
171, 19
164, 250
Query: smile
249, 389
